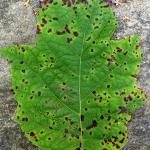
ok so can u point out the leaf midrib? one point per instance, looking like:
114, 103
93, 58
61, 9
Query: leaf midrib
79, 88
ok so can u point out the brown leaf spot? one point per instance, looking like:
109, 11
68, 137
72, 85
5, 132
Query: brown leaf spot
127, 98
38, 31
44, 21
82, 117
119, 49
75, 34
93, 125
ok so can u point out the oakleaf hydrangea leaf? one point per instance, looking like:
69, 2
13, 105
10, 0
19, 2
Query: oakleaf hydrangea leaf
76, 88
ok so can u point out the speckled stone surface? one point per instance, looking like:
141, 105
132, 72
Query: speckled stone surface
18, 25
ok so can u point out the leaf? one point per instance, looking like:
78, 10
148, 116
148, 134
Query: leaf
76, 88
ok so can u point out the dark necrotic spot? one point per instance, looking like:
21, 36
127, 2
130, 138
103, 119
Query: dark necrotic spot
88, 16
79, 129
75, 34
69, 40
21, 62
105, 93
102, 117
49, 138
116, 93
42, 25
78, 148
118, 49
41, 65
82, 117
55, 18
138, 96
93, 125
49, 30
64, 83
111, 76
125, 53
71, 122
39, 93
90, 132
108, 86
92, 50
85, 109
127, 98
93, 42
77, 136
122, 140
31, 97
55, 3
60, 32
109, 117
134, 75
23, 49
38, 31
23, 71
12, 91
67, 29
96, 19
25, 119
120, 132
32, 134
47, 113
96, 27
65, 132
26, 81
50, 128
88, 38
94, 92
117, 146
66, 118
44, 21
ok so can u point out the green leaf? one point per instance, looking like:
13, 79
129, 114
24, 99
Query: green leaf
76, 88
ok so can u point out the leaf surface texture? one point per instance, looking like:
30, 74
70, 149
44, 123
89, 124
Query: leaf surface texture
76, 87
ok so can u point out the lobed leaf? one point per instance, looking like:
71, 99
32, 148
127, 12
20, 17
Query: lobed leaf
76, 88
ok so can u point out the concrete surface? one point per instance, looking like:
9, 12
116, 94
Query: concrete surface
17, 25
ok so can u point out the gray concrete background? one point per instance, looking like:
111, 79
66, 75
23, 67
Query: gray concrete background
18, 25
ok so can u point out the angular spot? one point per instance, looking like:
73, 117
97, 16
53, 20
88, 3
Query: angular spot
69, 40
75, 34
44, 21
82, 117
93, 125
101, 117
